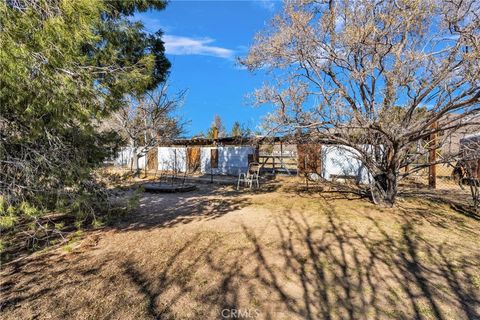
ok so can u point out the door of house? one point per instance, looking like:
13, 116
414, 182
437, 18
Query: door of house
309, 158
152, 159
193, 154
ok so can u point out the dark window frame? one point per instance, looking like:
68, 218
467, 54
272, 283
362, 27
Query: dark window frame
214, 158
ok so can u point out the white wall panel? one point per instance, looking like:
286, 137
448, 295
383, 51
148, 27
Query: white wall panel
231, 160
172, 159
341, 160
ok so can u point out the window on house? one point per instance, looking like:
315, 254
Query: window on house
214, 158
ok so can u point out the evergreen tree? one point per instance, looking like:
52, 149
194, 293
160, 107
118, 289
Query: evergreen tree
240, 131
236, 129
65, 66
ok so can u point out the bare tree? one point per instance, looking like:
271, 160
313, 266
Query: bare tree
217, 124
376, 76
149, 120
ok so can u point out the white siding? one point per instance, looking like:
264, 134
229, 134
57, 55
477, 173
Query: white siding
231, 160
341, 160
172, 159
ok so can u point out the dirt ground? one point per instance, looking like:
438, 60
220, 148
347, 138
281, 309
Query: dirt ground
275, 254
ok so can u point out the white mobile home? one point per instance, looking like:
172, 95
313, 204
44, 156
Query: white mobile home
224, 156
229, 156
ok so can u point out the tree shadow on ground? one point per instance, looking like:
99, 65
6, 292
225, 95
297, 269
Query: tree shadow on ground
209, 201
150, 210
84, 284
455, 199
342, 273
324, 271
309, 269
332, 190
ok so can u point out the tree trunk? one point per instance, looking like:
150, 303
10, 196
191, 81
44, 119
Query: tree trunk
137, 162
391, 190
136, 159
385, 188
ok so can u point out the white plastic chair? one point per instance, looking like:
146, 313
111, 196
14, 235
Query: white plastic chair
250, 177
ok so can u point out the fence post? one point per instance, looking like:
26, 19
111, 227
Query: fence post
432, 158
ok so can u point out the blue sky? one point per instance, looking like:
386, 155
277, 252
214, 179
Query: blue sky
203, 39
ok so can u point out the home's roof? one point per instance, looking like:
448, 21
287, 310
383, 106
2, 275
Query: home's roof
235, 141
247, 141
209, 141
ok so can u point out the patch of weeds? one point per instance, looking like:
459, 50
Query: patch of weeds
73, 239
426, 311
7, 221
7, 215
68, 248
98, 223
476, 281
3, 245
29, 211
78, 224
394, 314
456, 268
77, 234
59, 226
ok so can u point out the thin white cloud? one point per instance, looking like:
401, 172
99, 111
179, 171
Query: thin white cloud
178, 45
266, 4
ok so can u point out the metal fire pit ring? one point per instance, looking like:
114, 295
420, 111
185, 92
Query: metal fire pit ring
168, 188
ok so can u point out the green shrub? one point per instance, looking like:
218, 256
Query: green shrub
28, 210
7, 221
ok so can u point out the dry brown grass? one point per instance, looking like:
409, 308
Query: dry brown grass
278, 254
